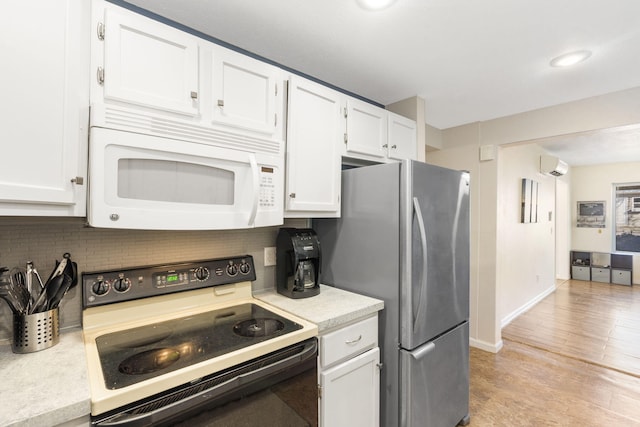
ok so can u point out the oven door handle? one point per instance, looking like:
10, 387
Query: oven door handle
133, 417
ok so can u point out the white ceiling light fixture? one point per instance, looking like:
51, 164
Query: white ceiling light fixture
570, 58
375, 4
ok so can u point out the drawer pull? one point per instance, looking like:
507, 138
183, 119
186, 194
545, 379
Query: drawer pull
354, 341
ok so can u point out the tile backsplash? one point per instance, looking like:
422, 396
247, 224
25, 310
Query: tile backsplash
44, 240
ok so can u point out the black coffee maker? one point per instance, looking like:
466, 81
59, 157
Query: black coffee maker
297, 262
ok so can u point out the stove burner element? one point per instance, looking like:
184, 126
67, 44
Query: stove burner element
260, 327
149, 361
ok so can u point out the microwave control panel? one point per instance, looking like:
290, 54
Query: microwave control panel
267, 198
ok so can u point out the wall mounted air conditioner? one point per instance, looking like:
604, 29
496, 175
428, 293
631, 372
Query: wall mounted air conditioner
551, 165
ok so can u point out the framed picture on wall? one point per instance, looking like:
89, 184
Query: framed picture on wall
591, 214
529, 201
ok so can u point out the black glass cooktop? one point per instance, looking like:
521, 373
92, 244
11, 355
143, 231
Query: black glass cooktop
135, 355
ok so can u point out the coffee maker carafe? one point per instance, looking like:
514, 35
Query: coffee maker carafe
297, 262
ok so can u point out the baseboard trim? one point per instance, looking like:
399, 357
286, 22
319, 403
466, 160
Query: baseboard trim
508, 319
486, 346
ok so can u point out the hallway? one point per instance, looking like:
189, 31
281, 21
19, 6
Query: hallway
571, 360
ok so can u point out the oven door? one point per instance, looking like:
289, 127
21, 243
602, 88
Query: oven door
278, 389
146, 182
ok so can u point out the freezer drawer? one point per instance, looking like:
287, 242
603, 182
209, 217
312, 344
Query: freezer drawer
621, 277
600, 274
580, 272
435, 381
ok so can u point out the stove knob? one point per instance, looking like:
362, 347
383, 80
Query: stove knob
201, 273
122, 284
100, 287
245, 268
232, 269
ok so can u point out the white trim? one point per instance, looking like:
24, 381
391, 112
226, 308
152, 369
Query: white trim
486, 346
508, 319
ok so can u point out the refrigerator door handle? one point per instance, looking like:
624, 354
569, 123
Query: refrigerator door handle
422, 351
423, 280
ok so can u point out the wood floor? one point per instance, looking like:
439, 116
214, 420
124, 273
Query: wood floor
572, 360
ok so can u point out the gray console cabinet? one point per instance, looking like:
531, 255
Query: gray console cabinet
602, 267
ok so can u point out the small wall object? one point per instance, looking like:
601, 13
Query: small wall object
591, 214
529, 203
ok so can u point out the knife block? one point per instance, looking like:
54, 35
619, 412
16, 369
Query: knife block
35, 332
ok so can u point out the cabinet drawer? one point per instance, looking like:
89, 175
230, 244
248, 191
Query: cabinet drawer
580, 273
348, 341
621, 277
600, 274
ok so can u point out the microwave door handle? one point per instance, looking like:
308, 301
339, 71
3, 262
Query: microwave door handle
255, 174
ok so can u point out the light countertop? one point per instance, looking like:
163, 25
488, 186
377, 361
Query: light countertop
330, 309
47, 387
51, 386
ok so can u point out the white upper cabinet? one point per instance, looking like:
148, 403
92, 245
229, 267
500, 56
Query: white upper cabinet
246, 93
402, 140
148, 63
44, 106
377, 135
152, 78
366, 130
315, 128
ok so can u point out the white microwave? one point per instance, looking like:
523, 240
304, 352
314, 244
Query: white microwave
139, 181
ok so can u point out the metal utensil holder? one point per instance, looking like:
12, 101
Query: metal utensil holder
35, 332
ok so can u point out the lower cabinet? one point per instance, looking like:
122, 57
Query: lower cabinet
349, 376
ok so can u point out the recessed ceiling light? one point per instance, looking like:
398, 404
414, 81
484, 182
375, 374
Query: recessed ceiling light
570, 58
375, 4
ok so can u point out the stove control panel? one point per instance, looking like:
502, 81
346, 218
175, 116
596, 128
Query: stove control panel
108, 287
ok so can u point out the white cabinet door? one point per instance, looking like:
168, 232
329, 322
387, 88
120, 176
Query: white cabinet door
245, 92
315, 128
149, 63
366, 130
350, 392
402, 137
44, 107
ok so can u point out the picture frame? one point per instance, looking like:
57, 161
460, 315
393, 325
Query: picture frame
529, 201
591, 214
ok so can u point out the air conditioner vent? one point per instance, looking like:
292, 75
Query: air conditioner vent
553, 166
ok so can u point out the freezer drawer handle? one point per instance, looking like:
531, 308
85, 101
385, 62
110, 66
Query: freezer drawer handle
354, 341
423, 351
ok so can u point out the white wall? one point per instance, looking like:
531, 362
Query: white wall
594, 183
525, 252
563, 226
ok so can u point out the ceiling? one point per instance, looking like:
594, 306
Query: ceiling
470, 60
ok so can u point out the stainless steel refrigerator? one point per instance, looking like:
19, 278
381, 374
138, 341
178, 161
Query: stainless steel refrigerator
403, 237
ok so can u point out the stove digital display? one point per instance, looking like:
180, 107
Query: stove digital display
170, 278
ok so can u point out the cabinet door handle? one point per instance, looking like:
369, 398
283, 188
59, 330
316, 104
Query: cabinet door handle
194, 94
292, 195
220, 102
100, 75
353, 341
394, 146
385, 145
